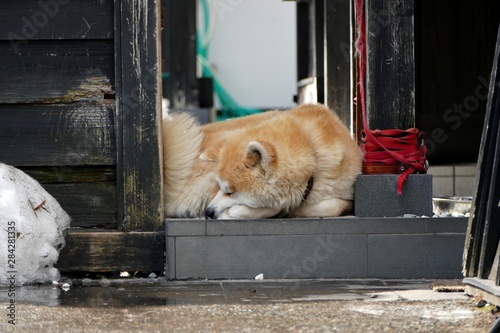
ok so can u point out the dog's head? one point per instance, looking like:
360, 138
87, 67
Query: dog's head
245, 174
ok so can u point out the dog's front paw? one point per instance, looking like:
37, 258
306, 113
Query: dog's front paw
244, 212
224, 215
234, 212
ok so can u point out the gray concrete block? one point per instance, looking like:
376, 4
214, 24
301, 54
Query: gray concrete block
464, 186
466, 170
376, 196
335, 226
347, 247
294, 226
185, 227
277, 257
443, 186
424, 256
170, 267
441, 170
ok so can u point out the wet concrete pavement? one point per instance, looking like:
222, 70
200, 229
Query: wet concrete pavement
157, 305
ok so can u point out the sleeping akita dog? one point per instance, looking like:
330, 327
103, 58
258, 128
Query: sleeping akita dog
296, 163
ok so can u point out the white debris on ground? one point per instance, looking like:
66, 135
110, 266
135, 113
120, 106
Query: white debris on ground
452, 214
32, 229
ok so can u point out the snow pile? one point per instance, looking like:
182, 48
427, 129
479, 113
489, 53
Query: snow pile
32, 228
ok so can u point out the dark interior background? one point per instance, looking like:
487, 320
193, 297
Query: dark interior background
455, 44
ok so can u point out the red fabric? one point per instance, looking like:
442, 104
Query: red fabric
392, 146
399, 147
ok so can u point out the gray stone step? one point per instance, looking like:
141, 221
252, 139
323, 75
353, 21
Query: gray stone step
346, 247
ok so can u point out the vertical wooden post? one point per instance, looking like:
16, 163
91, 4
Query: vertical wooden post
338, 58
390, 77
319, 40
310, 50
303, 37
138, 98
179, 53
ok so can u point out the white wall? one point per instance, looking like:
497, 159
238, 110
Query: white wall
253, 49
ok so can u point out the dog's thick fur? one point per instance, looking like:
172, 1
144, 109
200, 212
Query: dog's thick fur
260, 166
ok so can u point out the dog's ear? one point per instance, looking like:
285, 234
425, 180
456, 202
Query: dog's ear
259, 152
210, 155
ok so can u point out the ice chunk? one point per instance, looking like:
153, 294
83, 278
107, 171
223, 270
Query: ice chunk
32, 229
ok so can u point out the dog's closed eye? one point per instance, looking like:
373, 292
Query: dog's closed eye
225, 187
227, 190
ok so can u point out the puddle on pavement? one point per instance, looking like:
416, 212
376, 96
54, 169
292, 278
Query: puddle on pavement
159, 292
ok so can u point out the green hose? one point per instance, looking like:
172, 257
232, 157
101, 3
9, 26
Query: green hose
229, 107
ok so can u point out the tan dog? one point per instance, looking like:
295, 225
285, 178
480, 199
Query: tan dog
296, 163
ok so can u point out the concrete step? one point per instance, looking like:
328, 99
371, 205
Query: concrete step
346, 247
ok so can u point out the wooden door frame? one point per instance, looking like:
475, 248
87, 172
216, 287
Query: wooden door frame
138, 111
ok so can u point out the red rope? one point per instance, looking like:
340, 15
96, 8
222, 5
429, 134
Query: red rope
404, 150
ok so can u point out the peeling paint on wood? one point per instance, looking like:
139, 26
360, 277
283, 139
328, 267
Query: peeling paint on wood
57, 71
92, 88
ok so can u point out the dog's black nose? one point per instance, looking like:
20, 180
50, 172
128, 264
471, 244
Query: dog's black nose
209, 213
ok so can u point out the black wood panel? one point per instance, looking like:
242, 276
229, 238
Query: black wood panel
71, 174
99, 251
56, 135
56, 71
390, 79
319, 48
305, 51
87, 194
338, 58
140, 181
55, 19
179, 53
90, 205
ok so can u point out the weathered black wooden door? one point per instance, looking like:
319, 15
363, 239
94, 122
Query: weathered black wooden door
80, 96
482, 251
